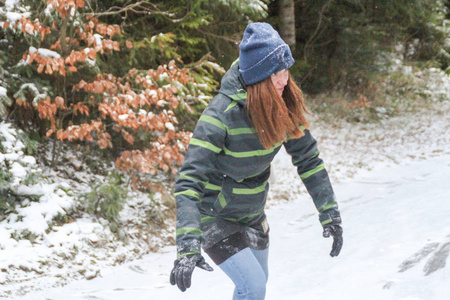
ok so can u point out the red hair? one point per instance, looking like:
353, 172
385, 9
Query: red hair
276, 117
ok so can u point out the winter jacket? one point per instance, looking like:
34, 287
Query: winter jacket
226, 170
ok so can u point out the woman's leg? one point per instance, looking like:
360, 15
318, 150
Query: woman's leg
248, 272
263, 257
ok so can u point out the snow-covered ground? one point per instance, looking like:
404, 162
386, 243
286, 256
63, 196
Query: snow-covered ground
397, 242
391, 180
37, 251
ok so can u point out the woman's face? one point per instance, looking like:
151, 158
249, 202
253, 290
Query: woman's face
280, 80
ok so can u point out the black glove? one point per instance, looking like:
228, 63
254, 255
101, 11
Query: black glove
184, 266
331, 222
335, 231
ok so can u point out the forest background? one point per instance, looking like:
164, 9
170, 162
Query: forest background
98, 98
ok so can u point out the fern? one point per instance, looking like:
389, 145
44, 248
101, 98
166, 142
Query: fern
106, 199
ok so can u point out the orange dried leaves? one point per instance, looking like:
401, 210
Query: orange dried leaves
64, 7
362, 102
95, 41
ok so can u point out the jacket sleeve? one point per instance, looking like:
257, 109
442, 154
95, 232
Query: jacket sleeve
200, 160
305, 156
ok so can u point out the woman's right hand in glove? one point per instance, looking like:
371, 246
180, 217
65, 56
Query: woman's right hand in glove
184, 266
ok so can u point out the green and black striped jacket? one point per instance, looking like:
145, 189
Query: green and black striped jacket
226, 170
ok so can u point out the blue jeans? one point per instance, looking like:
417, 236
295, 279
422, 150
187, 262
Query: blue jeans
249, 273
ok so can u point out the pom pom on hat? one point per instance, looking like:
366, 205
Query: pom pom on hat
262, 53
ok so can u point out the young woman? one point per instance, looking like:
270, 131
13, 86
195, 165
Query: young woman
222, 188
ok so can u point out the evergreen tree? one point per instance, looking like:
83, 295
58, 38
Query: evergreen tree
339, 43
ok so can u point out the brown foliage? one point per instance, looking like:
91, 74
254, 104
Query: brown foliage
130, 105
136, 102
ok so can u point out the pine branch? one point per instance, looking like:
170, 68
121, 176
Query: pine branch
205, 58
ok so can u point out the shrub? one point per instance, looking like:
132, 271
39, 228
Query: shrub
66, 94
16, 168
106, 199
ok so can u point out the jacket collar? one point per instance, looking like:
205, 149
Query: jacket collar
233, 86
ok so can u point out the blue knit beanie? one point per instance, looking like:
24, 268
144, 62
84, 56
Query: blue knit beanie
262, 53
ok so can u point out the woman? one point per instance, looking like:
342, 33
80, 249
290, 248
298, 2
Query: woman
223, 184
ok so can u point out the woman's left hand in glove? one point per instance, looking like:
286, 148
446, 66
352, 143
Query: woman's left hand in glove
336, 232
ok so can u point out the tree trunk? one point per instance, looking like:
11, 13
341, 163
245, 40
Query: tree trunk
287, 22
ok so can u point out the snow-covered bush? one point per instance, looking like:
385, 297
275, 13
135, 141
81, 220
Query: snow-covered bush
406, 84
28, 202
16, 168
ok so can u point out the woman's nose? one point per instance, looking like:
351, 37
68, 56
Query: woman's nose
282, 80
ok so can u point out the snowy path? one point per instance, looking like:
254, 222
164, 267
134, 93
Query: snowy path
395, 219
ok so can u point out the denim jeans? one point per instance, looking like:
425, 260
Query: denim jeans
249, 273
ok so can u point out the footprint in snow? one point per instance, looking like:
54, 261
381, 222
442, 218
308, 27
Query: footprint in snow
137, 269
439, 254
417, 257
438, 260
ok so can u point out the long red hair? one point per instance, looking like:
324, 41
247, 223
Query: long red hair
276, 117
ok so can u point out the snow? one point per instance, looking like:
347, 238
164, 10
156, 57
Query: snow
170, 126
31, 87
10, 3
48, 53
37, 252
390, 216
18, 172
97, 40
45, 52
3, 92
153, 38
13, 12
391, 181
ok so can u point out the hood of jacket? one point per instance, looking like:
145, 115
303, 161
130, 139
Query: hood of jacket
233, 86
